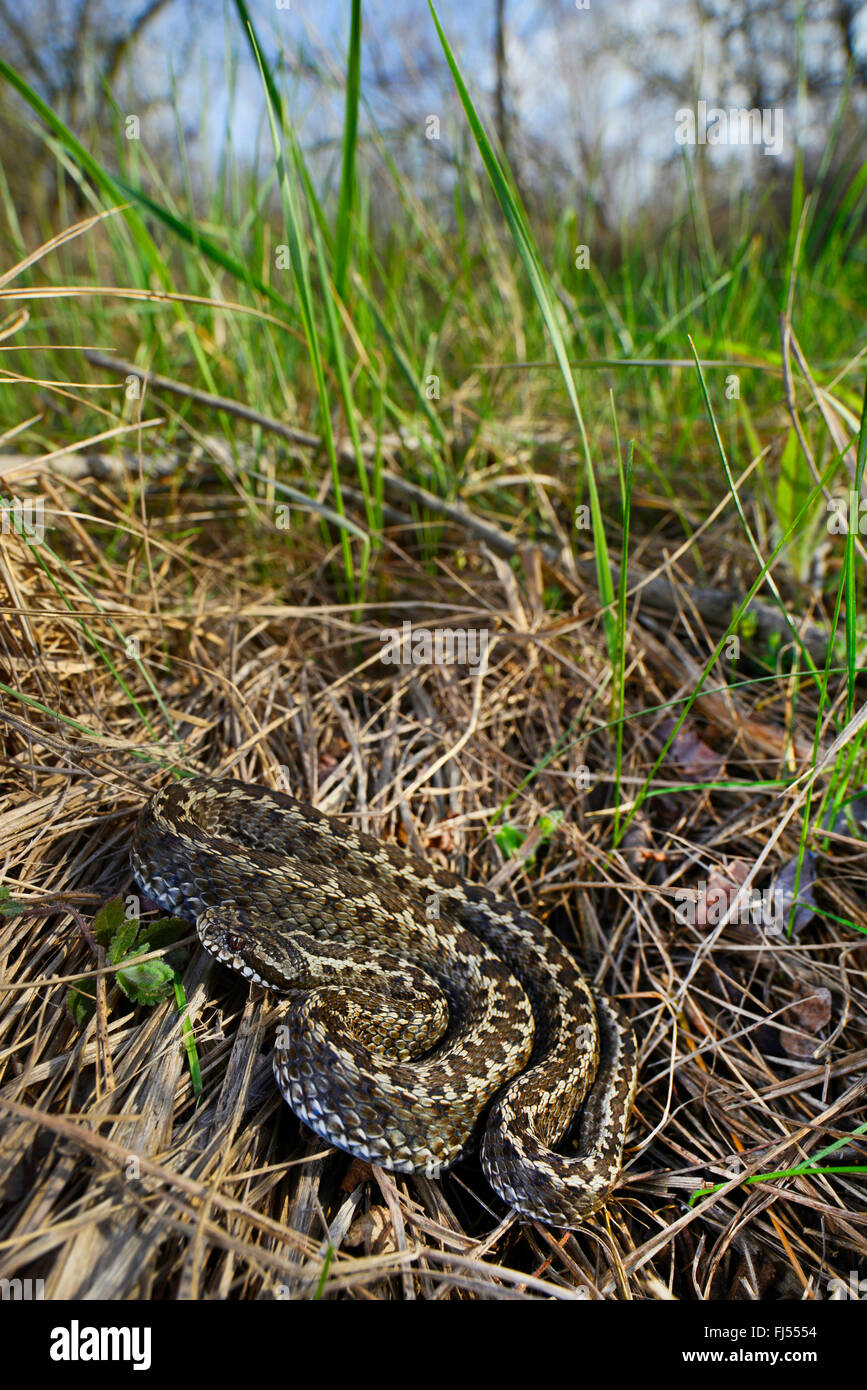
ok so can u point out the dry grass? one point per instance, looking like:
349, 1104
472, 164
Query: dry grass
117, 1182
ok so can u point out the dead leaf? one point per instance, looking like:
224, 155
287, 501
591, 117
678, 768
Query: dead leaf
720, 891
692, 754
374, 1231
783, 895
810, 1014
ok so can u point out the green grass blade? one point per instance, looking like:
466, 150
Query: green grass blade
345, 208
546, 301
730, 628
623, 584
851, 600
273, 95
298, 258
771, 582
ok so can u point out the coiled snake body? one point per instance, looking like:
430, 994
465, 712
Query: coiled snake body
424, 1010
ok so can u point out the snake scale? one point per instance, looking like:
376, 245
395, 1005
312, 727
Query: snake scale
425, 1014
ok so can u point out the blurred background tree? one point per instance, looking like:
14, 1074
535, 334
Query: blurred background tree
582, 100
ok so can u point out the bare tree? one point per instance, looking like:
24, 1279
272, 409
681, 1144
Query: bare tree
501, 116
74, 54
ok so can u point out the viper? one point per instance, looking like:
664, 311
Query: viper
425, 1014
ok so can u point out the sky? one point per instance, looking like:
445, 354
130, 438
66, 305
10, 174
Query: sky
394, 32
573, 89
568, 85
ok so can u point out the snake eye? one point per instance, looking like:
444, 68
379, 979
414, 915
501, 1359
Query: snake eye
235, 942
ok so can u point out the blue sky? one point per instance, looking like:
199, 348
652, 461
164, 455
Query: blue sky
570, 86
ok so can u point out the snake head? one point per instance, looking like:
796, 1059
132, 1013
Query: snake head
254, 952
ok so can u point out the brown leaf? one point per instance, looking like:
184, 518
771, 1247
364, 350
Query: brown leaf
692, 754
720, 892
810, 1014
374, 1231
441, 838
638, 847
358, 1171
814, 1011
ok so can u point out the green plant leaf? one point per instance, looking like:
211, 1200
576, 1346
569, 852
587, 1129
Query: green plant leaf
148, 983
8, 906
81, 1001
109, 920
510, 839
123, 941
